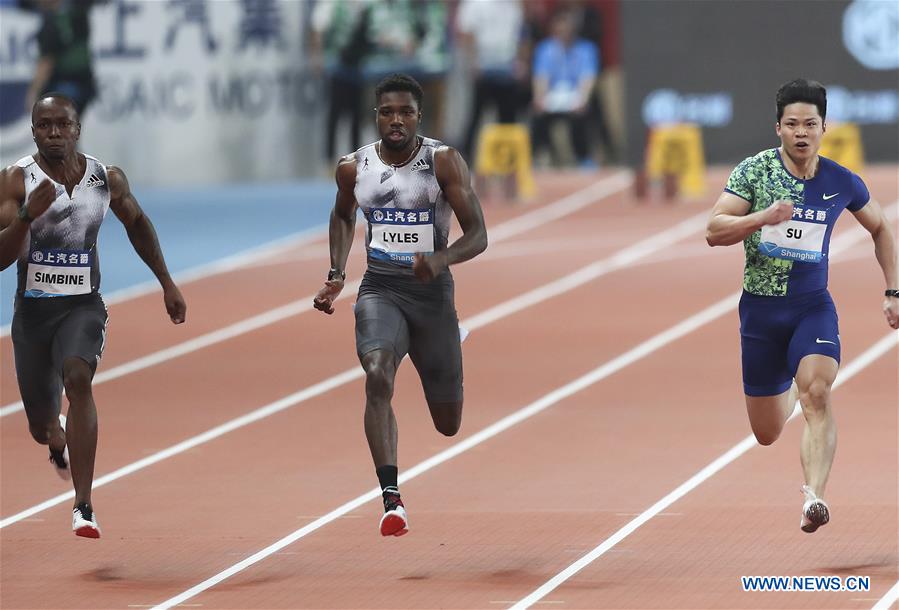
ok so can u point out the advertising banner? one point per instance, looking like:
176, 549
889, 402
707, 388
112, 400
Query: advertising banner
191, 91
719, 65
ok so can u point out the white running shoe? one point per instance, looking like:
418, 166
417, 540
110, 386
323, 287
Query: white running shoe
815, 512
394, 522
60, 460
84, 521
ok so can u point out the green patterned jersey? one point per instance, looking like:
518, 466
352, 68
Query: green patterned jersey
817, 203
761, 180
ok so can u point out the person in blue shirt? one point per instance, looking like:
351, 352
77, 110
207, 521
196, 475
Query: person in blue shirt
783, 204
564, 74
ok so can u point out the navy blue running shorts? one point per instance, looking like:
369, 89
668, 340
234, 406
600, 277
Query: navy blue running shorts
777, 332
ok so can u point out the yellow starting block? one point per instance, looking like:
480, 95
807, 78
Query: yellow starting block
505, 150
843, 143
676, 150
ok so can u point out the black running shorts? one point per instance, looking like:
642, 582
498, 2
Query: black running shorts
402, 314
47, 331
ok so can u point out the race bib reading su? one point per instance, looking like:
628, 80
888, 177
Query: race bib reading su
794, 240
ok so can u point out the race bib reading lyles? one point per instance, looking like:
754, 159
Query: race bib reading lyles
398, 235
794, 240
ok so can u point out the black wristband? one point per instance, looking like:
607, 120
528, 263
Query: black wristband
892, 293
335, 273
23, 214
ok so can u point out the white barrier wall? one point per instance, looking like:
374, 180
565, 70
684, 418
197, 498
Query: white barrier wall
191, 91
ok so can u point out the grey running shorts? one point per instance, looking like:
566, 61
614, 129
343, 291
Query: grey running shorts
44, 333
402, 314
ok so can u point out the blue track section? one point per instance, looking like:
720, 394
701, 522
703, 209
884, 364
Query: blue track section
199, 226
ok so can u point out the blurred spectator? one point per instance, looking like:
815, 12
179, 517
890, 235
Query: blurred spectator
599, 23
340, 43
536, 28
355, 42
65, 64
431, 27
394, 35
565, 70
593, 28
411, 36
432, 54
493, 33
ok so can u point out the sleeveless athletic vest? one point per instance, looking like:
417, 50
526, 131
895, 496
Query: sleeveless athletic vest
59, 256
405, 209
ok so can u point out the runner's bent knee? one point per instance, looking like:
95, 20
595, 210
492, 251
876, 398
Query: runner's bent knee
379, 374
41, 432
814, 396
448, 420
77, 377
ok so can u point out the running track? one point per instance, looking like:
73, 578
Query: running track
602, 373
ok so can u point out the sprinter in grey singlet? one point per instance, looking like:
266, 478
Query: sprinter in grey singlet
51, 206
407, 187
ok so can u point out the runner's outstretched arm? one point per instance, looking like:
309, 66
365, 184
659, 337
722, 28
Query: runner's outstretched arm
340, 233
143, 237
343, 216
871, 217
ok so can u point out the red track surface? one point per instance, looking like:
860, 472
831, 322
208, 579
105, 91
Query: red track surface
492, 525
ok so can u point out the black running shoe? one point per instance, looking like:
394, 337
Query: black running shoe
60, 459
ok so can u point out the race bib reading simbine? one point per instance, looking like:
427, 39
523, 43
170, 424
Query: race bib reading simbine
55, 273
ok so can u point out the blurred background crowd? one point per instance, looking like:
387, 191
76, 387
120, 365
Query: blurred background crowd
522, 60
196, 91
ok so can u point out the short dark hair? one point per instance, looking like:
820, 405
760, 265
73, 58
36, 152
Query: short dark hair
399, 82
802, 90
59, 96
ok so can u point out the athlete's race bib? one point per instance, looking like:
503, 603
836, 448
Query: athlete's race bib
56, 273
794, 240
397, 235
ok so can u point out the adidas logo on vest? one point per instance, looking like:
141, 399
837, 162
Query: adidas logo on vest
420, 165
94, 181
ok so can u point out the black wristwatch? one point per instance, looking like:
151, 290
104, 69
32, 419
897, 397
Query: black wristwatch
23, 214
892, 293
336, 273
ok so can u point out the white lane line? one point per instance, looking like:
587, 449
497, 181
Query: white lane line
590, 272
211, 338
151, 605
598, 374
569, 204
241, 259
640, 351
530, 220
881, 347
888, 599
561, 247
514, 305
254, 256
194, 441
234, 262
